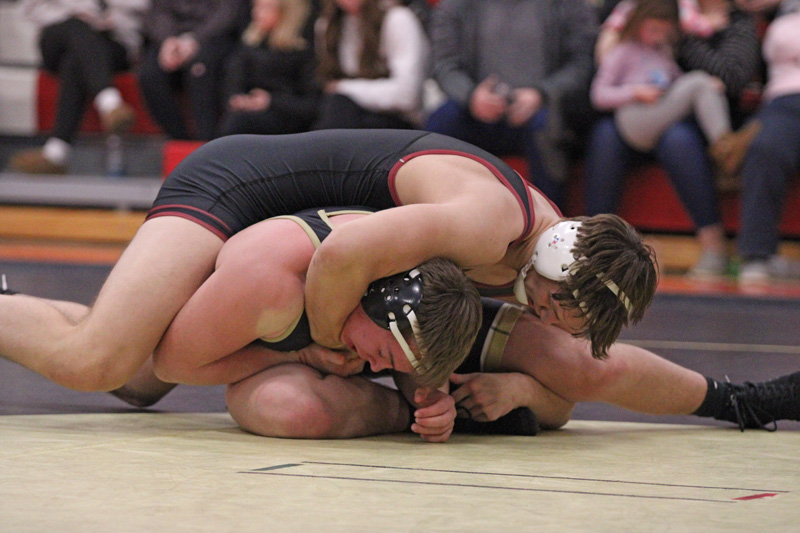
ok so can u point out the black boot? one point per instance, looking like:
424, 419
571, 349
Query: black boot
520, 421
755, 405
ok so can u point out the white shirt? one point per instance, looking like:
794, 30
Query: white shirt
406, 49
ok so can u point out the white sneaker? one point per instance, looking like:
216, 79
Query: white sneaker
710, 264
754, 272
775, 268
781, 267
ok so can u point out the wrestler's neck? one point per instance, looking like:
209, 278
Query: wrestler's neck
546, 216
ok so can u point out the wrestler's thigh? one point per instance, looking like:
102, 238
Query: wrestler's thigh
167, 260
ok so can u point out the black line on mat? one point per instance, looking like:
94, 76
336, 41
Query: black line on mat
276, 467
566, 478
466, 485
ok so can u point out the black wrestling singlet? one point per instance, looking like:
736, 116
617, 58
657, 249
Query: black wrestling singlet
233, 182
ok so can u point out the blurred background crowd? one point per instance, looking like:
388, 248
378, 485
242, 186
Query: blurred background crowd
709, 90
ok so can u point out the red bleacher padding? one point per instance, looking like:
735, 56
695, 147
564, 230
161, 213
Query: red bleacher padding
175, 152
47, 97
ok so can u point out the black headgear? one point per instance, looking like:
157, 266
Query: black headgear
391, 303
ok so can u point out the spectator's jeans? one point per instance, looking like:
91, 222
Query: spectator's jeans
85, 61
500, 139
681, 150
199, 79
773, 157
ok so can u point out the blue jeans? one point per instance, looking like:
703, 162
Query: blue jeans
771, 161
500, 139
681, 150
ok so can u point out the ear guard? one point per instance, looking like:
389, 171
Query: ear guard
552, 256
391, 303
553, 259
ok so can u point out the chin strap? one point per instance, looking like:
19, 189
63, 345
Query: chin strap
401, 339
391, 303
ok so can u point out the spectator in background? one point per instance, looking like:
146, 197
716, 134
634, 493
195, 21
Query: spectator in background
187, 42
83, 42
641, 82
506, 69
774, 156
693, 21
730, 54
373, 58
270, 80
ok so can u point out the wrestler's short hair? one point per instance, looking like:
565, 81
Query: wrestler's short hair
449, 317
608, 250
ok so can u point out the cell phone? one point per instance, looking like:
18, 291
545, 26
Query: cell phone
502, 89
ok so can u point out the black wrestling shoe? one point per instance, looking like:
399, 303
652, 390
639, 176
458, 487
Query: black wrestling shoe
755, 405
4, 286
520, 421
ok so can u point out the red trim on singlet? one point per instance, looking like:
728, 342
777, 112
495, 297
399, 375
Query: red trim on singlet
190, 208
528, 225
163, 211
213, 229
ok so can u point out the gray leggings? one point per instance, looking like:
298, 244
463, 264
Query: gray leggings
641, 125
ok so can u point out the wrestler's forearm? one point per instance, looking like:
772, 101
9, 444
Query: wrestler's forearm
334, 286
551, 410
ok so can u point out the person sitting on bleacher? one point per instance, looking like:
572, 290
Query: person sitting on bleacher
731, 55
187, 44
84, 42
270, 83
774, 156
372, 61
513, 74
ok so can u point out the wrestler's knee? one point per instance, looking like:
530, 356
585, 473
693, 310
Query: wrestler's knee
98, 370
282, 406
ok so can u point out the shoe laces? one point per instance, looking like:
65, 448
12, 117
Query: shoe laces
757, 405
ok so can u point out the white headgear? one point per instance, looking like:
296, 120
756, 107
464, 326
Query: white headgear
553, 259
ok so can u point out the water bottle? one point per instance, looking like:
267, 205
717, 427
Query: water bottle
115, 162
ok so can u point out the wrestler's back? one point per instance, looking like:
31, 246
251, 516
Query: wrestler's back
236, 181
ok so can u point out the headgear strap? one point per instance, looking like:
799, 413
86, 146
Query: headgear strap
553, 259
391, 303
